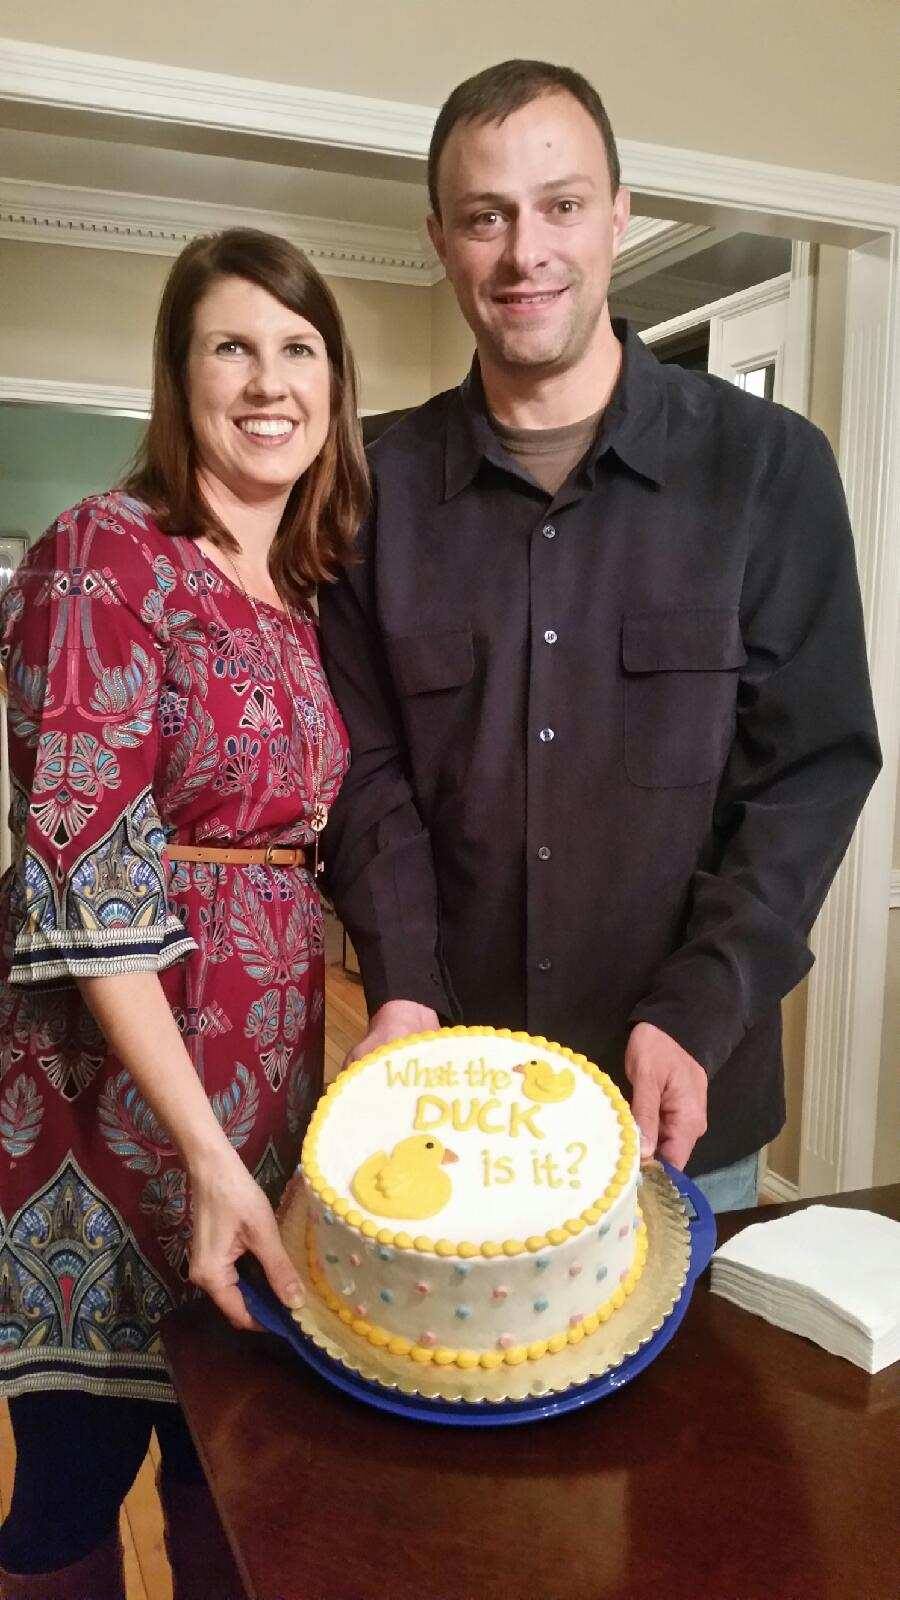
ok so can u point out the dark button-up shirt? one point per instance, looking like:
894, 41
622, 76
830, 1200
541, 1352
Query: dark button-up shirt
608, 747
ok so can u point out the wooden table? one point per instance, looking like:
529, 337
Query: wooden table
745, 1462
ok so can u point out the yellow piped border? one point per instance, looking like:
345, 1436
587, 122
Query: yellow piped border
423, 1243
467, 1360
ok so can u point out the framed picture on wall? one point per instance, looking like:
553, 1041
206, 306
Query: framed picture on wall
12, 549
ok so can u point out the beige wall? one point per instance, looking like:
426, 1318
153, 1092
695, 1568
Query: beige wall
87, 316
794, 84
451, 339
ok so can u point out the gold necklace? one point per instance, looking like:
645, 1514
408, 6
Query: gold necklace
319, 815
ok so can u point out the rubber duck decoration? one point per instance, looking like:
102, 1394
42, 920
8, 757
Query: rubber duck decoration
407, 1184
545, 1086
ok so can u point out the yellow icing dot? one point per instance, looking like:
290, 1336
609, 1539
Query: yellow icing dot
592, 1214
618, 1299
329, 1195
354, 1218
360, 1326
536, 1241
384, 1236
444, 1357
420, 1354
399, 1346
490, 1360
423, 1243
369, 1229
557, 1342
576, 1334
512, 1247
345, 1315
537, 1349
591, 1322
576, 1226
491, 1249
403, 1241
378, 1337
557, 1236
467, 1359
517, 1355
444, 1247
467, 1248
341, 1208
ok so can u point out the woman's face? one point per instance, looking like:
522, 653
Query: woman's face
258, 389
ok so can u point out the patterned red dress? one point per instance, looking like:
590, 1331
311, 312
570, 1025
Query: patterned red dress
145, 706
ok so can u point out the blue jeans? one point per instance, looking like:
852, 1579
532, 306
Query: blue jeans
731, 1188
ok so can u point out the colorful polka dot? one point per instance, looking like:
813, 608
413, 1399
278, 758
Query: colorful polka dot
332, 1259
602, 1232
623, 1275
601, 1274
384, 1254
541, 1305
423, 1288
542, 1263
500, 1293
505, 1341
461, 1270
576, 1318
428, 1340
347, 1288
575, 1269
361, 1310
636, 1224
355, 1260
327, 1217
463, 1312
386, 1296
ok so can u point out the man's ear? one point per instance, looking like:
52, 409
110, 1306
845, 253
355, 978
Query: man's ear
436, 235
621, 216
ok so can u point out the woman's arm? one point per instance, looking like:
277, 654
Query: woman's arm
231, 1213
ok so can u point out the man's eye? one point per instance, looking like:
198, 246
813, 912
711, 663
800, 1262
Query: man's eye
567, 208
487, 219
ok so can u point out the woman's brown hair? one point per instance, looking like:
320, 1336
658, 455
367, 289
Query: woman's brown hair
327, 504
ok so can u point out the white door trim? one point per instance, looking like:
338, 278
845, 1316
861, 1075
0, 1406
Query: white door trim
847, 984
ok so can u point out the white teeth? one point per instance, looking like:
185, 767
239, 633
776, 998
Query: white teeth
267, 427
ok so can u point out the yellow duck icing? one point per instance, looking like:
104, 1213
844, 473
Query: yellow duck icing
408, 1184
535, 1236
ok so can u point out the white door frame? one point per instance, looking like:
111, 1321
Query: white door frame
847, 984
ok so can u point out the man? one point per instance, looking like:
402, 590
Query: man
601, 662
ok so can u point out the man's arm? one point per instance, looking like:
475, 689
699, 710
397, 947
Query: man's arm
804, 756
378, 860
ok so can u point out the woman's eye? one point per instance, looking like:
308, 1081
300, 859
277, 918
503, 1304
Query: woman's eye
300, 349
229, 347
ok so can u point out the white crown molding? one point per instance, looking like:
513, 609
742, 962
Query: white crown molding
731, 305
107, 397
45, 75
99, 219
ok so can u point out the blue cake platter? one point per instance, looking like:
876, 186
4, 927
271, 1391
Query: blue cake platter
273, 1316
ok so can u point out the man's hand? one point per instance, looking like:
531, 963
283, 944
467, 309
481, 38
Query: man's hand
669, 1100
391, 1021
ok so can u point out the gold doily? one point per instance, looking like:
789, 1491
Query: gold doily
642, 1316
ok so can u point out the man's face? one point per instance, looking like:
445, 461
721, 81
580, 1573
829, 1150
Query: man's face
529, 231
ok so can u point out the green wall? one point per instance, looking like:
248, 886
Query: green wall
50, 458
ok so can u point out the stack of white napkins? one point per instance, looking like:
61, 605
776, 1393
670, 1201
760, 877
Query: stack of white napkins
828, 1272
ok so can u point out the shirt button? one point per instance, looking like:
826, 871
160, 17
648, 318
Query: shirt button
551, 636
546, 734
548, 530
545, 964
544, 853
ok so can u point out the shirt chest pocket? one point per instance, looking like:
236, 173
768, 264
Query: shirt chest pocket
681, 675
425, 663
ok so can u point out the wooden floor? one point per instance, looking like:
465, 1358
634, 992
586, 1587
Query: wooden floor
146, 1568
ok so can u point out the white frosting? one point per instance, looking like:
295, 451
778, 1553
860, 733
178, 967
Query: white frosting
529, 1166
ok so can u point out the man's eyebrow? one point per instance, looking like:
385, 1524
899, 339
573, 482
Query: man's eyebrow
492, 197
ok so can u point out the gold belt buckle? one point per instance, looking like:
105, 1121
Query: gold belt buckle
270, 862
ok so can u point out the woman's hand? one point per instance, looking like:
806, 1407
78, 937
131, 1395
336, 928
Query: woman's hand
232, 1216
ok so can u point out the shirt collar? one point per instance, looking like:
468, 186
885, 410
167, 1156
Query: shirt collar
633, 425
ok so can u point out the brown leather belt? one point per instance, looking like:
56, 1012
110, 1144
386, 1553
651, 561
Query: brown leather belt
228, 856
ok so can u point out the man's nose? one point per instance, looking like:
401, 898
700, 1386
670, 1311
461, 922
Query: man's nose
526, 245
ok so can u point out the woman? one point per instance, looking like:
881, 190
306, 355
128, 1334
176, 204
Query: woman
174, 751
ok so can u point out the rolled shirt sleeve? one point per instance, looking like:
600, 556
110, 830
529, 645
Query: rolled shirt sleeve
86, 893
804, 756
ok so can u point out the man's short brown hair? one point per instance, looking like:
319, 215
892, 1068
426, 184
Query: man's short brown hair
492, 96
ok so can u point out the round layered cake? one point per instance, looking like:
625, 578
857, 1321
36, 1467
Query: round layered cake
473, 1198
